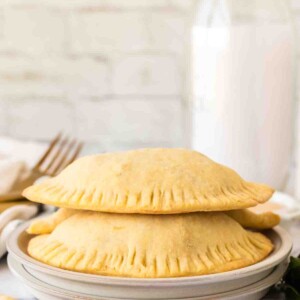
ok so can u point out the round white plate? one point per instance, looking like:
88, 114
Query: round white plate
136, 288
45, 291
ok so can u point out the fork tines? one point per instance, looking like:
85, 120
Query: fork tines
61, 152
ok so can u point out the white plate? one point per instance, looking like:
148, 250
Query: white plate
136, 288
45, 291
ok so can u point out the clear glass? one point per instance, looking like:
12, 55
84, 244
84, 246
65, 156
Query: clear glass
242, 86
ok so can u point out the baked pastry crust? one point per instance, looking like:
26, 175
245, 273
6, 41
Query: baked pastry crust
150, 246
244, 217
48, 224
149, 181
249, 219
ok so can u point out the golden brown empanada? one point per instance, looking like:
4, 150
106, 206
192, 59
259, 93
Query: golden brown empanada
249, 219
149, 181
150, 246
48, 223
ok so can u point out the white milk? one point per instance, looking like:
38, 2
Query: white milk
243, 98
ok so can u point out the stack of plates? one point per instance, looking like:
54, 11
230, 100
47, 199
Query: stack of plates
46, 282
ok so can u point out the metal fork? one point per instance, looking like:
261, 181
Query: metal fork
61, 152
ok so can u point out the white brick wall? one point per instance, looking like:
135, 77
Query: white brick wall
166, 31
116, 122
39, 118
34, 30
53, 76
106, 31
107, 71
150, 75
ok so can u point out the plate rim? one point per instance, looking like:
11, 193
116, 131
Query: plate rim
269, 262
259, 286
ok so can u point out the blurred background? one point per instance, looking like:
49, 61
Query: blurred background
109, 72
216, 76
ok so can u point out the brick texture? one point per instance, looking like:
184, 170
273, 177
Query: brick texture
53, 76
39, 119
33, 30
108, 71
150, 75
103, 31
135, 122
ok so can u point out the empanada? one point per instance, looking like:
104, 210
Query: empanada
150, 246
149, 181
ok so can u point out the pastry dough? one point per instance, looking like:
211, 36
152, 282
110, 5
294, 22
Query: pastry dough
47, 224
249, 219
149, 181
150, 246
244, 217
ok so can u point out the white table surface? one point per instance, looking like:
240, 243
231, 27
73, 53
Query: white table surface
11, 286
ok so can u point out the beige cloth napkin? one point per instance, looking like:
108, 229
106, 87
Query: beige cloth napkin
16, 159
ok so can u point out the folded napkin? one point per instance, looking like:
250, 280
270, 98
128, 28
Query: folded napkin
16, 160
11, 218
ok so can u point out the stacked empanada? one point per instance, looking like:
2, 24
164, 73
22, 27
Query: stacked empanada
150, 213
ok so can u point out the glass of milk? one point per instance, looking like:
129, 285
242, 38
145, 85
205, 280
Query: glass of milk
242, 86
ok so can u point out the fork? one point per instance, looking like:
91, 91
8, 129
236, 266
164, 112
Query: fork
59, 154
